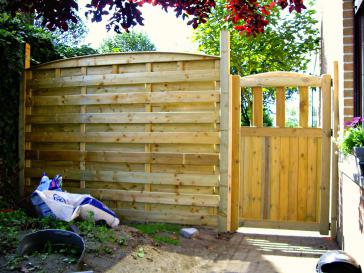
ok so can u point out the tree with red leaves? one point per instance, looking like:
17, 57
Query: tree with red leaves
248, 16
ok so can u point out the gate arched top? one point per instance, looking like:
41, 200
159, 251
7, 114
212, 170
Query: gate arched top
124, 58
280, 78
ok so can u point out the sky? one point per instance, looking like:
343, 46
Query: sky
167, 32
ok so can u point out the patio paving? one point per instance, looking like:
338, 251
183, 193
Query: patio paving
262, 250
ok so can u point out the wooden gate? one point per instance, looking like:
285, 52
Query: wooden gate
284, 172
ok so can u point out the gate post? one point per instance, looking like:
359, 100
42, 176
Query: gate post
234, 151
326, 153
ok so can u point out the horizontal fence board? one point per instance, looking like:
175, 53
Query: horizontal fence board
154, 197
128, 98
128, 137
169, 217
124, 58
138, 157
287, 132
205, 180
126, 118
128, 78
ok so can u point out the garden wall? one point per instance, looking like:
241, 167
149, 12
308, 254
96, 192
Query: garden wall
139, 131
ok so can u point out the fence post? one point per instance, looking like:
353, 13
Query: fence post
326, 147
234, 151
224, 211
21, 124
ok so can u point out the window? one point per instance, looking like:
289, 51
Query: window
359, 58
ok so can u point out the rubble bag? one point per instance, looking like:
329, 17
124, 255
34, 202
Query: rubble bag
68, 206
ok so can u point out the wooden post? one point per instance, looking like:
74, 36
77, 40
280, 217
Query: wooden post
280, 107
224, 211
326, 145
234, 150
257, 107
21, 125
334, 154
303, 107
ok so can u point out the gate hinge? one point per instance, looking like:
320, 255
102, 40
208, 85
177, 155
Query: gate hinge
329, 226
331, 132
332, 83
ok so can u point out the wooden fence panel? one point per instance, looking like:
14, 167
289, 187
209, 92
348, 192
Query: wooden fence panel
139, 131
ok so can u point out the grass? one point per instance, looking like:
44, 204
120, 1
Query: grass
160, 232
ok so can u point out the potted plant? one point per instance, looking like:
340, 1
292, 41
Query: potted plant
352, 142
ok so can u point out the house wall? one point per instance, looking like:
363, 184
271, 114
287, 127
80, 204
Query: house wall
338, 45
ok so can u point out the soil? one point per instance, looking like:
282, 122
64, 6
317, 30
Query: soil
139, 253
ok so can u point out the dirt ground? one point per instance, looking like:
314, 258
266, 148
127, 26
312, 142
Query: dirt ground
210, 252
139, 253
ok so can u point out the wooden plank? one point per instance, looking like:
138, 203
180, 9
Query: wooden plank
286, 132
278, 79
266, 172
293, 225
334, 153
124, 58
283, 178
129, 117
225, 183
256, 178
234, 150
127, 137
168, 217
293, 177
246, 178
127, 78
257, 114
205, 180
280, 107
326, 151
303, 117
153, 197
275, 178
302, 179
83, 128
312, 180
129, 98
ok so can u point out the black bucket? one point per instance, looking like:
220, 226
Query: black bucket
37, 241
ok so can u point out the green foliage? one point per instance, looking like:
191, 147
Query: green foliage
68, 51
14, 32
286, 45
353, 137
160, 232
127, 42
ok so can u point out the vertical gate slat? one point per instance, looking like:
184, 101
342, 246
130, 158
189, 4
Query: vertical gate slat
280, 107
311, 179
293, 179
83, 130
275, 177
257, 107
303, 107
283, 179
302, 179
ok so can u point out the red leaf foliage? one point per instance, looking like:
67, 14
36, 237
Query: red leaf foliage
248, 16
